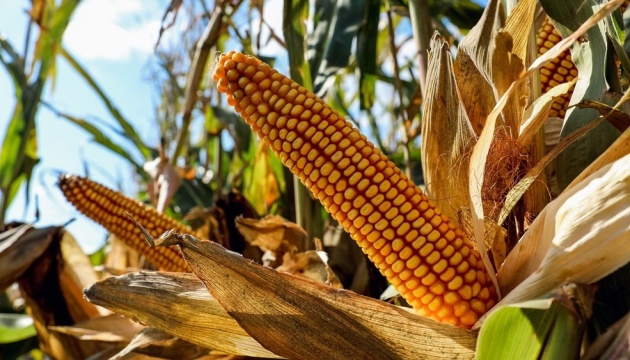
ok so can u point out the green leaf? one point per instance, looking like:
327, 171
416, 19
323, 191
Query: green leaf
367, 50
55, 22
523, 330
335, 31
128, 130
98, 257
294, 29
100, 138
15, 327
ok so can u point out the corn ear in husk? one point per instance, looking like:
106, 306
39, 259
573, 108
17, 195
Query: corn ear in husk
447, 134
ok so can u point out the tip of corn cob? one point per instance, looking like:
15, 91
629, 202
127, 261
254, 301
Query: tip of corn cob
420, 250
108, 208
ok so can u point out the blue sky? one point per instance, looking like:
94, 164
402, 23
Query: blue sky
114, 40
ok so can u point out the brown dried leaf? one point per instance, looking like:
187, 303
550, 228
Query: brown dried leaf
21, 246
473, 66
51, 298
536, 114
179, 304
480, 151
617, 118
298, 318
156, 343
447, 134
110, 328
308, 265
77, 274
120, 257
272, 233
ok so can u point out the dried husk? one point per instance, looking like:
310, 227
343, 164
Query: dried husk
179, 304
447, 135
581, 237
298, 318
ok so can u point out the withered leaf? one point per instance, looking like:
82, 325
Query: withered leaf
308, 265
110, 328
20, 246
272, 233
179, 304
301, 319
447, 134
156, 343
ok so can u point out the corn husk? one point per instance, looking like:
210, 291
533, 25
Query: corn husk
298, 318
447, 135
581, 237
179, 304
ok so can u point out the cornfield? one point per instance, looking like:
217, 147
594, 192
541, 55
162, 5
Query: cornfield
484, 175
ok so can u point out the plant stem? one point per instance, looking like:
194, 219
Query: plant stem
399, 90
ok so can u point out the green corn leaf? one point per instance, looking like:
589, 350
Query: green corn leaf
128, 130
367, 50
549, 328
295, 16
101, 139
335, 31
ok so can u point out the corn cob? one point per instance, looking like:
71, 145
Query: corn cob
107, 207
417, 248
558, 71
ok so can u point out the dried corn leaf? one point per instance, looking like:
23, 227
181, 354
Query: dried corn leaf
52, 300
473, 66
121, 258
156, 343
77, 274
536, 114
21, 246
165, 181
514, 195
272, 233
110, 328
508, 62
298, 318
308, 265
179, 304
580, 237
590, 58
617, 118
447, 135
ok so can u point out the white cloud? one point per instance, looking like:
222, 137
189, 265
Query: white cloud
113, 30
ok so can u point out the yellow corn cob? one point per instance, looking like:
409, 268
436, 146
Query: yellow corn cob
107, 207
558, 71
420, 250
